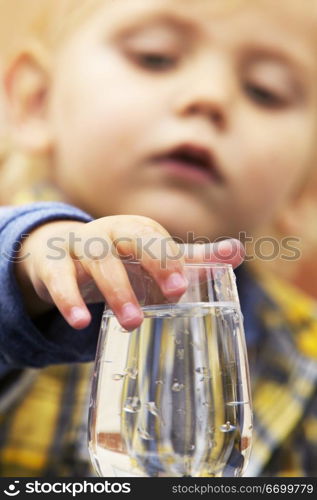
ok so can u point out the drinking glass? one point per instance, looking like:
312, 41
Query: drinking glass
172, 397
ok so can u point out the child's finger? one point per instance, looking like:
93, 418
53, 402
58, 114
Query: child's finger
166, 270
112, 280
158, 254
230, 251
61, 284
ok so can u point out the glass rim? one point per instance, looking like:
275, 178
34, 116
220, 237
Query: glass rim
191, 264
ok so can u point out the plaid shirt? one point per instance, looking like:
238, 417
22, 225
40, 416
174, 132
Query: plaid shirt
44, 413
285, 384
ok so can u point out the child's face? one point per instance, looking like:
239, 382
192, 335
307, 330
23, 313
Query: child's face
195, 114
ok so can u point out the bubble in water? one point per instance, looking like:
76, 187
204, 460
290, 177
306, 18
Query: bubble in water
181, 411
180, 353
131, 372
176, 387
186, 331
206, 404
212, 443
177, 341
118, 376
203, 371
236, 317
250, 427
151, 406
132, 404
159, 382
227, 427
144, 434
211, 437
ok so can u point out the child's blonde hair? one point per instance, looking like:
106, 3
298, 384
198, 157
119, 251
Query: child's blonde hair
44, 20
41, 22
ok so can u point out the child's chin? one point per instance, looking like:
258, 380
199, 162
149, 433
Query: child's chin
183, 227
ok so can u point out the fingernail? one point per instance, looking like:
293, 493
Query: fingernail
226, 249
175, 281
130, 312
77, 314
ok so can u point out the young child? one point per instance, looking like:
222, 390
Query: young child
194, 119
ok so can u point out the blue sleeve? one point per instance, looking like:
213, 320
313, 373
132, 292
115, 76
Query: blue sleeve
48, 339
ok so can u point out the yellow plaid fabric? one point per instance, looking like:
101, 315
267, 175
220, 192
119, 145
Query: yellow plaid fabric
43, 432
285, 384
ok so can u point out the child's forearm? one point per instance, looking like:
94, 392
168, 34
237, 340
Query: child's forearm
21, 342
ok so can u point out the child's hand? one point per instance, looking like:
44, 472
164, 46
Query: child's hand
61, 259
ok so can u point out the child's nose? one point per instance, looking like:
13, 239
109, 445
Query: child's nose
209, 91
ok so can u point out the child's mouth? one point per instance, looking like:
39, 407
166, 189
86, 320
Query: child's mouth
190, 162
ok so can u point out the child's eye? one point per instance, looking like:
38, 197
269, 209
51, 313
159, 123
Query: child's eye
264, 97
155, 61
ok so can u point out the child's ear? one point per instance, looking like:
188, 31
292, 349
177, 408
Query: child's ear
26, 87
